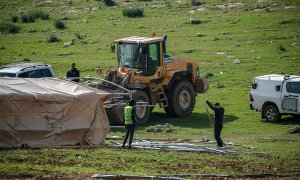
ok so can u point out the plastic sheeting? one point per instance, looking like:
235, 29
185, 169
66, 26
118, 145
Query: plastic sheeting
50, 112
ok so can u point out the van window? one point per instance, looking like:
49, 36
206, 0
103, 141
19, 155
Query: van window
31, 74
293, 87
45, 73
7, 74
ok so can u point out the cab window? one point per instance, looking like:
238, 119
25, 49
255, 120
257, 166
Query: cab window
293, 87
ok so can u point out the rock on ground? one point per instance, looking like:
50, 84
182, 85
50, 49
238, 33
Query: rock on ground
295, 129
236, 61
195, 21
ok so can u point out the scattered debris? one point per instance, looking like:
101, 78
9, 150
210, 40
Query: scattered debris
157, 129
199, 35
289, 7
67, 44
160, 128
229, 5
204, 139
215, 39
262, 1
220, 53
168, 130
236, 61
25, 59
184, 176
65, 54
198, 10
31, 30
189, 50
296, 44
195, 21
295, 129
180, 147
95, 8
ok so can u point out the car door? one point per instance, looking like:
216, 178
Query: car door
291, 96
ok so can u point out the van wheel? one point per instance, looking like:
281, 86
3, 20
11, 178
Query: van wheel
271, 113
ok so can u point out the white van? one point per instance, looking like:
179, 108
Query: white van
27, 70
276, 95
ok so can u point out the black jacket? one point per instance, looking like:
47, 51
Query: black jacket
73, 73
219, 113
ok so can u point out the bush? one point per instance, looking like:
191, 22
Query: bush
41, 14
133, 12
52, 38
286, 21
26, 18
208, 74
14, 18
79, 36
110, 3
59, 24
9, 28
281, 48
33, 15
196, 3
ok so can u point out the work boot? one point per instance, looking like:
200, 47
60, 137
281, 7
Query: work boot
129, 147
123, 147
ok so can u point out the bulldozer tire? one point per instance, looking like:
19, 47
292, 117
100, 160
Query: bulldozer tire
141, 112
181, 99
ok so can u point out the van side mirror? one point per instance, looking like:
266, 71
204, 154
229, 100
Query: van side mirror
277, 88
254, 85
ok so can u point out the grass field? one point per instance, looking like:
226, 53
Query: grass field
263, 35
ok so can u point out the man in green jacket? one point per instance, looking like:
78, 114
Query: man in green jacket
129, 112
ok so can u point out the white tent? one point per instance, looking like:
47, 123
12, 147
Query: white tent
50, 112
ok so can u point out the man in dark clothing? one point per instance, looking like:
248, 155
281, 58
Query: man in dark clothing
219, 114
129, 112
73, 73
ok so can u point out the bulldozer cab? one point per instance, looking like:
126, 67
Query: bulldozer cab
143, 54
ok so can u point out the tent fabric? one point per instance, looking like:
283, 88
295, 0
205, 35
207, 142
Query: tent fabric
50, 112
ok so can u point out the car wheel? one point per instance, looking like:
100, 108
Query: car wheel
271, 113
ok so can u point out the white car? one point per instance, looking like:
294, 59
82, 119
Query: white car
27, 70
276, 95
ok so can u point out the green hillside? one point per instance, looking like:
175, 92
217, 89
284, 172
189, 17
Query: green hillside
264, 35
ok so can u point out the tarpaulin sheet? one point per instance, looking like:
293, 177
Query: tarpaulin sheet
50, 112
